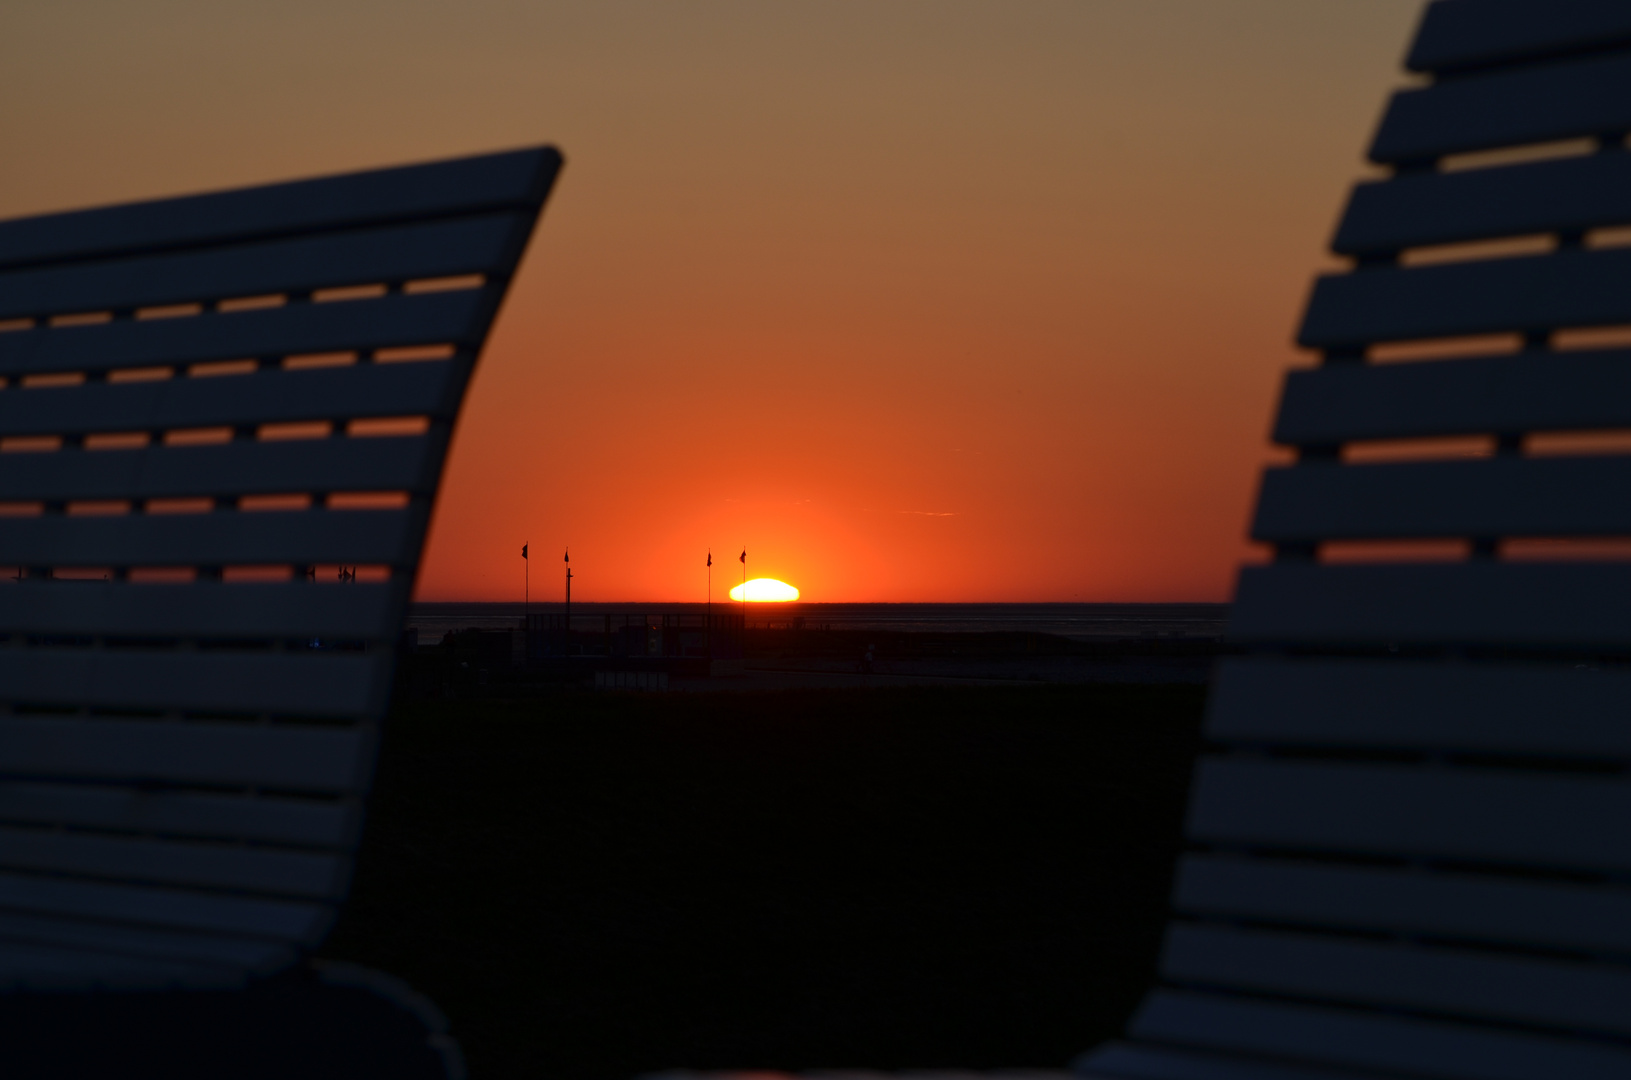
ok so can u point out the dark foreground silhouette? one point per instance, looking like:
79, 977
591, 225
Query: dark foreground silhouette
600, 885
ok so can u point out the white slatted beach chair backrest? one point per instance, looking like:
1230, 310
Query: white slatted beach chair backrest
202, 394
1411, 839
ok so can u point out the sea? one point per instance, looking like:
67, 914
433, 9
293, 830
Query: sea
1081, 622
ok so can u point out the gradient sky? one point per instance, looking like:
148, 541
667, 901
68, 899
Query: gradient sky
917, 299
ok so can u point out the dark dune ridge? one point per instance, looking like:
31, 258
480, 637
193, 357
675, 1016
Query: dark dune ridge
603, 885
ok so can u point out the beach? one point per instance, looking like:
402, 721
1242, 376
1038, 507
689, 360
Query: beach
601, 885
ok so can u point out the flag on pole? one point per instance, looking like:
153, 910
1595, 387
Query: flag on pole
568, 557
744, 556
710, 558
523, 551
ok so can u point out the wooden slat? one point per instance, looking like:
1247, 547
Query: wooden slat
305, 822
167, 862
280, 920
205, 609
244, 954
1341, 403
1529, 293
305, 682
1127, 1061
1490, 986
326, 759
1370, 1040
1420, 209
268, 397
435, 249
1458, 35
299, 328
1566, 99
300, 537
1471, 815
428, 388
410, 463
1545, 605
1593, 919
27, 966
1508, 496
518, 178
1422, 706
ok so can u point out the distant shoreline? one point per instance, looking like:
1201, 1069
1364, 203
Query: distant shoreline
1079, 622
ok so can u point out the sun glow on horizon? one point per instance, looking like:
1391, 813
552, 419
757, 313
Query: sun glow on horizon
765, 590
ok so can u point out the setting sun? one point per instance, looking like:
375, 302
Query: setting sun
765, 590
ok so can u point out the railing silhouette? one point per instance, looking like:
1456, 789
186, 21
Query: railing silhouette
635, 636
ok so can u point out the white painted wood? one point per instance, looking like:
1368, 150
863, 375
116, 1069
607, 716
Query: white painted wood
473, 245
283, 756
1484, 986
297, 328
1419, 209
256, 870
28, 966
1471, 907
1483, 815
1544, 605
1495, 497
299, 537
239, 467
1370, 1040
233, 953
1569, 288
1341, 403
297, 610
1458, 35
1578, 96
323, 823
517, 179
428, 388
1516, 710
261, 917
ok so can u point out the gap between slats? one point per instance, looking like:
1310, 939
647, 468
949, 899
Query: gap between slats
391, 328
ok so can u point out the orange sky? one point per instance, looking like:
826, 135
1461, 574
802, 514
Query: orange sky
926, 300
